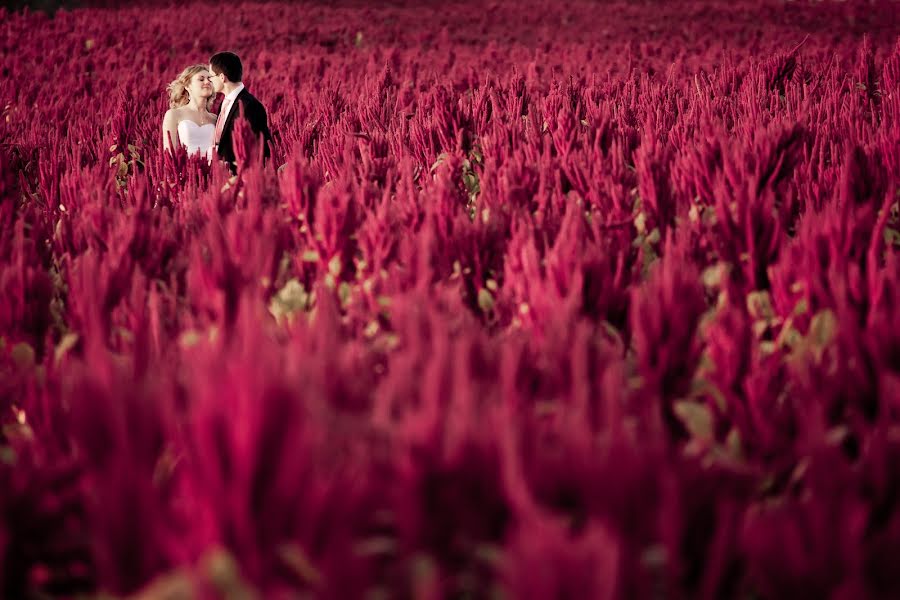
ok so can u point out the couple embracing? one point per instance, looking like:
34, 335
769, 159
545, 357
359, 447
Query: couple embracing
189, 121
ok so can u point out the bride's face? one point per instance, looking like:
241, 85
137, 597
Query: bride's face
201, 85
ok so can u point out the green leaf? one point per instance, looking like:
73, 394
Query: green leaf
733, 444
789, 337
694, 213
696, 417
822, 330
371, 329
640, 223
175, 584
424, 572
7, 455
289, 300
891, 237
344, 293
376, 546
223, 572
702, 387
612, 333
67, 342
489, 554
189, 338
650, 257
23, 355
713, 276
759, 305
485, 300
296, 559
334, 265
470, 180
441, 158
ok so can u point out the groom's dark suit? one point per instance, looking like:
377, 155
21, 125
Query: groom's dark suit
255, 113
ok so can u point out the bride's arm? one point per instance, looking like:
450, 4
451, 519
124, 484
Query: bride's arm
169, 130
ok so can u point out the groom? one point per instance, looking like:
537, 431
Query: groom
227, 72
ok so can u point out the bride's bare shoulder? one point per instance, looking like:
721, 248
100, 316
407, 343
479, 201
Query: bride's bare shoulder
172, 116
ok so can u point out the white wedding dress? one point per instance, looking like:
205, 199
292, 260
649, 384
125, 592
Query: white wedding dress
197, 138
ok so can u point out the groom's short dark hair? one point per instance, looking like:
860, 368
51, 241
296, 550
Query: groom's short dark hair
228, 63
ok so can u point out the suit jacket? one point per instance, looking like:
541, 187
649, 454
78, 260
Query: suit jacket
255, 113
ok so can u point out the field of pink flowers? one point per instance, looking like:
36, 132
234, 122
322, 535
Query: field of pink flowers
536, 300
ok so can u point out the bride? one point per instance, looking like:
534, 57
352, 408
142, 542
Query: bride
188, 122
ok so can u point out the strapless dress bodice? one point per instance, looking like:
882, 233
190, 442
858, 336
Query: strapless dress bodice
197, 138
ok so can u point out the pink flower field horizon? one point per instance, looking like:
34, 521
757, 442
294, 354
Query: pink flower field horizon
533, 300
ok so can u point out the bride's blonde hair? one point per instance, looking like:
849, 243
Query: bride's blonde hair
178, 94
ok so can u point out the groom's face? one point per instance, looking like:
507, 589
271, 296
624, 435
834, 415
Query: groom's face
217, 79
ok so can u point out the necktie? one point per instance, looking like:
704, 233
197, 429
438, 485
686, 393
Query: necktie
220, 121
